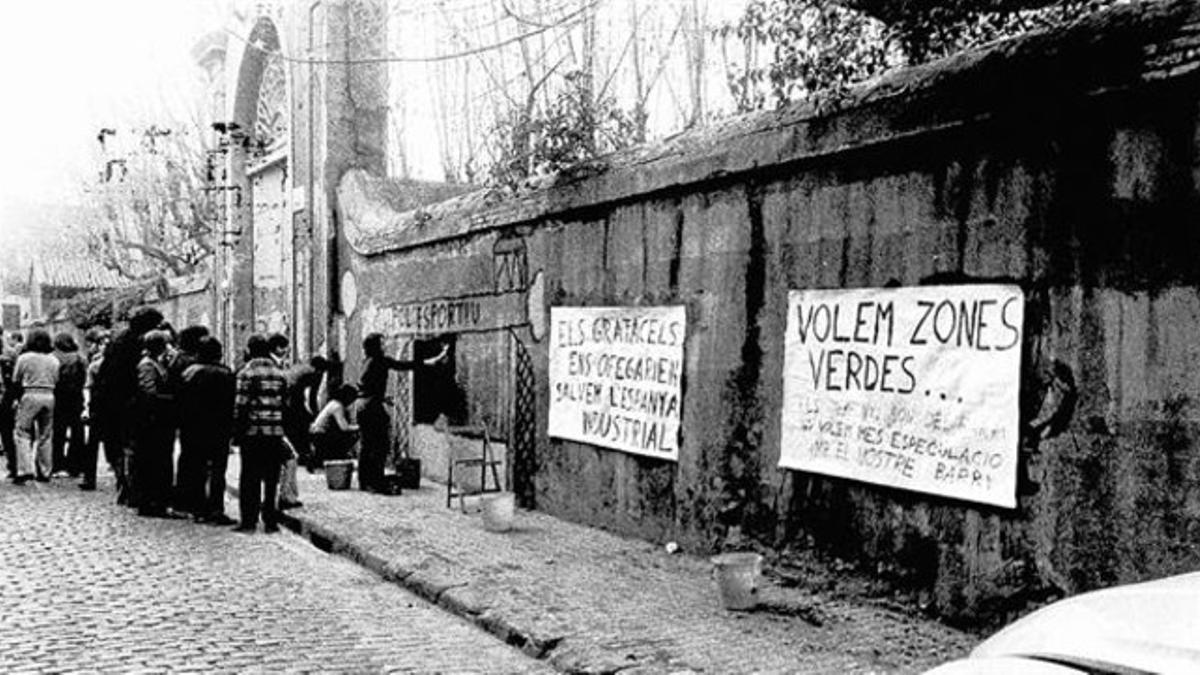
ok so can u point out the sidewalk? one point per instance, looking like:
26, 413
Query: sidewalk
591, 602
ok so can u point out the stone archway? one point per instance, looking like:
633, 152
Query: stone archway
261, 292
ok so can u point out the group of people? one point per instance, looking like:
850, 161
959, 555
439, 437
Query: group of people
52, 374
149, 391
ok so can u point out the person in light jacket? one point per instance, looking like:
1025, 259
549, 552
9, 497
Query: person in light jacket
35, 374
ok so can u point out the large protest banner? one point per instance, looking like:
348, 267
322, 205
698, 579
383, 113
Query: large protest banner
914, 388
616, 377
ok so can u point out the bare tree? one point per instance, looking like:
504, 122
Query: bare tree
520, 60
149, 212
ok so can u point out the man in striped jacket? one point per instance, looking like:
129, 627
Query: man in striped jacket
258, 432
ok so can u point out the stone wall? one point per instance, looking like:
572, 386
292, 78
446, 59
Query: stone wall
1063, 162
195, 307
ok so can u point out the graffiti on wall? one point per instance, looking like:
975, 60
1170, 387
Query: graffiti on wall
914, 388
510, 268
515, 302
461, 314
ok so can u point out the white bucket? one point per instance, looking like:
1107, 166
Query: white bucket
498, 511
738, 576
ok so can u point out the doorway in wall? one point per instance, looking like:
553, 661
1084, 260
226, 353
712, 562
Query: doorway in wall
435, 389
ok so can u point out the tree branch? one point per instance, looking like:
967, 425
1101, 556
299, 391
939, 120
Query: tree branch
171, 261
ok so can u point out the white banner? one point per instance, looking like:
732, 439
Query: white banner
616, 377
913, 388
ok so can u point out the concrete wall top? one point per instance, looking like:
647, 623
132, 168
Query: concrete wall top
1116, 50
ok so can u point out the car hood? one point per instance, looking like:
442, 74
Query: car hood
1001, 665
1152, 626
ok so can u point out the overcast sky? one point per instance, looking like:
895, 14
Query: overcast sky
70, 67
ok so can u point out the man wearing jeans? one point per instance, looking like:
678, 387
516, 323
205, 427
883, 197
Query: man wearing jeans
258, 431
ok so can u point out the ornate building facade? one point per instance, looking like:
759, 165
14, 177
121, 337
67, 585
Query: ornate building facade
293, 110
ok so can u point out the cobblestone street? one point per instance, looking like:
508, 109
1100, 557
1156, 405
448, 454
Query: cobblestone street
88, 586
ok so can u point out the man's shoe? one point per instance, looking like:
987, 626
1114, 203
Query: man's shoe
42, 479
271, 529
21, 480
245, 528
87, 487
220, 519
283, 506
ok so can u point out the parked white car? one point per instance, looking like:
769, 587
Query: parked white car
1150, 627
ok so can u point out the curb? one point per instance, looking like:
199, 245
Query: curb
426, 586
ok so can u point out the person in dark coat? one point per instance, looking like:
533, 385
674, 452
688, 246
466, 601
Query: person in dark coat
8, 399
289, 489
300, 409
117, 392
187, 354
374, 420
68, 406
206, 400
191, 466
304, 384
154, 438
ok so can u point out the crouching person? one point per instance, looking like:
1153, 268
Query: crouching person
333, 436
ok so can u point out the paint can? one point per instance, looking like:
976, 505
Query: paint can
409, 471
338, 472
738, 576
498, 510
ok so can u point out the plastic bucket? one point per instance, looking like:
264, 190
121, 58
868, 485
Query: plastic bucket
338, 473
738, 576
498, 512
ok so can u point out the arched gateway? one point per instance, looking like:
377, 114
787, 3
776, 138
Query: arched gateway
261, 295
